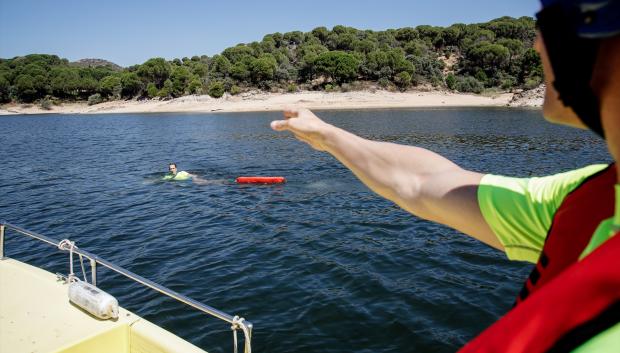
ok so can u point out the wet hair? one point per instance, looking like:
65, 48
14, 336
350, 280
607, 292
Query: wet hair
171, 163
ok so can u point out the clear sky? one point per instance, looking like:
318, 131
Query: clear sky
131, 31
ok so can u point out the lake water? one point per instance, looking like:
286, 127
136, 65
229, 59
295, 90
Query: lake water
320, 264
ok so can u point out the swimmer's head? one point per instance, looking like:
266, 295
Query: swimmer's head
172, 168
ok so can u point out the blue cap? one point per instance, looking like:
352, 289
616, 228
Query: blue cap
592, 18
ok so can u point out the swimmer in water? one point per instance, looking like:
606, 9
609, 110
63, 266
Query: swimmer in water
174, 174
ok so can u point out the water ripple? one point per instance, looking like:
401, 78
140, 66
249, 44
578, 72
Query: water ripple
320, 264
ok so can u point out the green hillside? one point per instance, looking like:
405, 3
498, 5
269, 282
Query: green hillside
495, 55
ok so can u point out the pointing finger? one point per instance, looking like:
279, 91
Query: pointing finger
279, 125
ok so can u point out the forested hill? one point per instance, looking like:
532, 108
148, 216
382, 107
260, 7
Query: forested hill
496, 55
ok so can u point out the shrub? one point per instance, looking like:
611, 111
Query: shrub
151, 90
481, 76
95, 99
180, 78
131, 84
532, 82
384, 82
163, 93
340, 66
469, 84
156, 70
507, 82
216, 89
195, 86
111, 86
436, 81
264, 68
166, 91
234, 90
291, 88
403, 80
329, 88
45, 104
451, 81
4, 89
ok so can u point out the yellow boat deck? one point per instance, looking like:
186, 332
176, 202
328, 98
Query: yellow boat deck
36, 316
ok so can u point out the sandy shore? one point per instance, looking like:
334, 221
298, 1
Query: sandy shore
259, 101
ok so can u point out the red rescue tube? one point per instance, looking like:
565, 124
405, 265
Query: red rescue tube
260, 180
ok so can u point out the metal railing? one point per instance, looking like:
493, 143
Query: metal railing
235, 321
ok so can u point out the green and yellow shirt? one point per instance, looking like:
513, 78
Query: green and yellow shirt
520, 212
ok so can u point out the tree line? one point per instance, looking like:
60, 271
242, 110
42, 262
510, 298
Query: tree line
464, 57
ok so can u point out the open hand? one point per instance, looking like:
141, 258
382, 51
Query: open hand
306, 127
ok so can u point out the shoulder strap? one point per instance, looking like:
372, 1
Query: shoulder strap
582, 210
576, 305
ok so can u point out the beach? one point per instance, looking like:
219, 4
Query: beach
261, 101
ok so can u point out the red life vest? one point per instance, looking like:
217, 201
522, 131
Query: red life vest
574, 222
565, 302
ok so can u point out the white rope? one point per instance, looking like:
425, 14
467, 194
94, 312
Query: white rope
67, 244
83, 270
236, 324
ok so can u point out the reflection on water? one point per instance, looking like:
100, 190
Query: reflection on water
319, 264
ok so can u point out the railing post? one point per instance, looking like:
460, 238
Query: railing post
1, 240
93, 272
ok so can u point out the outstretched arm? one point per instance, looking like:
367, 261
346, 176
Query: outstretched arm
418, 180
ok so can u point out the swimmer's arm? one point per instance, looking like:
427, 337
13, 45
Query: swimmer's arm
198, 180
418, 180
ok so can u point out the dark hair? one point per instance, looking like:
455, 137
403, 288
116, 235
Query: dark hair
171, 163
